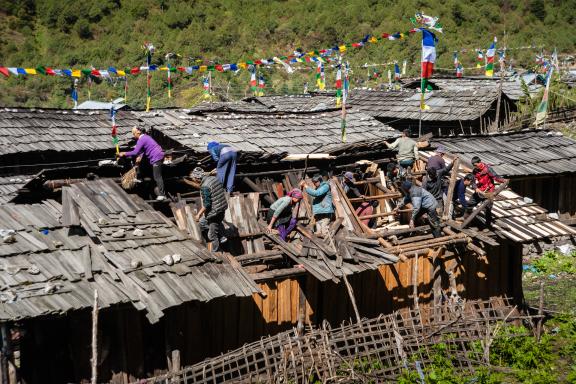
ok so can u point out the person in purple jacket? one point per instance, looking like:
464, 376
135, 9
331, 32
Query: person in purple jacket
147, 147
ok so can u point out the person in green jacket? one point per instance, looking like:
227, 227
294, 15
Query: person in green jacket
407, 150
282, 215
322, 206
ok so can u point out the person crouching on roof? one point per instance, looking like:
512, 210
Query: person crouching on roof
225, 157
485, 179
350, 189
322, 207
147, 147
214, 205
283, 213
422, 202
435, 183
459, 197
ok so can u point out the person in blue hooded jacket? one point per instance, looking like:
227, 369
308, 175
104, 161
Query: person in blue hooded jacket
322, 206
225, 157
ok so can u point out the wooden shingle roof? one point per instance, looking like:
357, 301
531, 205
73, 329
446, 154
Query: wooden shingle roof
270, 133
52, 266
523, 153
296, 103
445, 105
38, 130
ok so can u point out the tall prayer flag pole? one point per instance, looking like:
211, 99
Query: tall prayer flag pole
149, 52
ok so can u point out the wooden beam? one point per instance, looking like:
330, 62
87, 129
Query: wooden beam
387, 196
451, 186
256, 188
481, 207
277, 274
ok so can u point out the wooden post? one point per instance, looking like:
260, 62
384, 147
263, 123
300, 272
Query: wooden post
301, 306
481, 207
540, 312
415, 280
95, 339
498, 102
451, 186
352, 298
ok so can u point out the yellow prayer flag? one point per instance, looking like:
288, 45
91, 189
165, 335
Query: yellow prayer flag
243, 65
342, 48
203, 68
119, 72
76, 73
163, 68
373, 40
30, 71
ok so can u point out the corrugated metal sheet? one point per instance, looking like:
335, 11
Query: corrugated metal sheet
51, 268
523, 153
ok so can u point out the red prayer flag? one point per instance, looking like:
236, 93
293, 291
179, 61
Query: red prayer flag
95, 72
4, 71
219, 68
135, 70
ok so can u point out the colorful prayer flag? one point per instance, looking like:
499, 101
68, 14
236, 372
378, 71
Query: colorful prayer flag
253, 86
396, 72
4, 71
320, 83
490, 53
459, 70
428, 59
206, 86
339, 86
261, 85
542, 111
479, 58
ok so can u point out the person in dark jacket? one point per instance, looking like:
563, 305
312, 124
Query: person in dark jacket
214, 205
437, 161
350, 189
393, 172
225, 157
283, 213
422, 202
459, 197
435, 183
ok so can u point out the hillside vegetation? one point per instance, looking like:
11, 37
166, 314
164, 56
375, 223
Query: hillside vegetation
103, 33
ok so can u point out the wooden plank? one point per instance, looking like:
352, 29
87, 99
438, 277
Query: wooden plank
451, 186
284, 302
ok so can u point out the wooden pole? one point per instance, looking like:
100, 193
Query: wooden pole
95, 339
481, 207
415, 280
497, 122
352, 298
540, 312
451, 186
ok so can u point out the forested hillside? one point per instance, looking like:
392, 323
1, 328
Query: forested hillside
104, 33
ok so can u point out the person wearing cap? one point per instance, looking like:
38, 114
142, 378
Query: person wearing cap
283, 213
225, 157
422, 202
214, 205
437, 161
350, 189
407, 150
322, 207
148, 148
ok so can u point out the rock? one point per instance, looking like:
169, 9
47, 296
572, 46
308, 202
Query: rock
33, 269
57, 243
138, 232
168, 260
118, 234
566, 249
8, 239
135, 263
177, 258
554, 215
102, 221
50, 288
528, 200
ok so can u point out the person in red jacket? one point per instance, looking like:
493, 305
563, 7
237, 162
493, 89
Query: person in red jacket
485, 179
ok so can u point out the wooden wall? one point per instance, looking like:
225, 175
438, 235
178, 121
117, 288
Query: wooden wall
58, 349
555, 193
